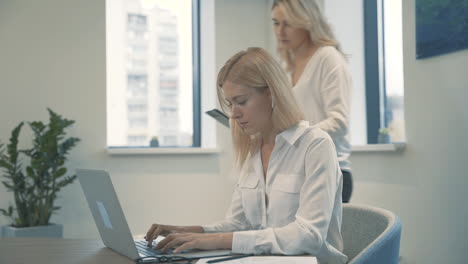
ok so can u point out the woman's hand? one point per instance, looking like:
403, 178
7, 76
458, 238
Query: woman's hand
164, 230
184, 241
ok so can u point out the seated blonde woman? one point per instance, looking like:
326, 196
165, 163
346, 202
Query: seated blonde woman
288, 197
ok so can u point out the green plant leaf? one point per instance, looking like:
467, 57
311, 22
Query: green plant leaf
35, 186
62, 171
8, 186
12, 147
5, 164
66, 181
37, 127
384, 131
4, 212
68, 144
30, 172
8, 212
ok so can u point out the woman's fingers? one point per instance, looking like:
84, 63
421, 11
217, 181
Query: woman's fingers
164, 242
150, 231
175, 242
172, 241
150, 234
185, 241
157, 230
181, 241
185, 246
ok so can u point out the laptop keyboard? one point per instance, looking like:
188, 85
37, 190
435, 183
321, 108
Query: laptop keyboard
144, 249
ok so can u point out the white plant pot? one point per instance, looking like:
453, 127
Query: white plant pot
51, 230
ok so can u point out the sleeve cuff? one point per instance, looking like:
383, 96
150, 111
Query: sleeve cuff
244, 242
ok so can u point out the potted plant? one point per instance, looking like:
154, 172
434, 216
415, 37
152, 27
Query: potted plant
35, 185
384, 136
154, 143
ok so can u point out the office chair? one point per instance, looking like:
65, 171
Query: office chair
370, 235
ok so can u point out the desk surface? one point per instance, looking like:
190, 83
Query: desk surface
78, 251
54, 251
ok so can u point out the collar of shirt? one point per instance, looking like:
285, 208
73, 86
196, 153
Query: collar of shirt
288, 136
293, 133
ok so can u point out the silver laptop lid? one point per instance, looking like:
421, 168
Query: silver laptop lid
107, 212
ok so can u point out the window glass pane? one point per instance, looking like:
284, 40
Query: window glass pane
394, 106
149, 73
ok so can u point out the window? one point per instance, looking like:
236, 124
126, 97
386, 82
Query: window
384, 69
370, 32
153, 73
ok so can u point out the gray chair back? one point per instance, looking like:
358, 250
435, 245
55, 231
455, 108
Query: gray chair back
370, 235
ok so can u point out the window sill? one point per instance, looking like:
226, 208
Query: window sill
392, 147
162, 151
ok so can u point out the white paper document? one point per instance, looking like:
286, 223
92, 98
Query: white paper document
266, 260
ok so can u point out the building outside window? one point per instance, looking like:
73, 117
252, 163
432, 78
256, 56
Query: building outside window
149, 73
394, 114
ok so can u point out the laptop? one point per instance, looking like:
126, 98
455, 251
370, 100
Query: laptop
112, 224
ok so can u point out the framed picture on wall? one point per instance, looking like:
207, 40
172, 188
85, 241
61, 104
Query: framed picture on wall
441, 27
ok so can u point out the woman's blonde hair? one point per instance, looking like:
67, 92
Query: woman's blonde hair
256, 68
308, 15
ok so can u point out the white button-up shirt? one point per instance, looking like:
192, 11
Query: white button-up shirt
298, 209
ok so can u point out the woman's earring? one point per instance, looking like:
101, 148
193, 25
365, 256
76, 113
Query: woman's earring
272, 103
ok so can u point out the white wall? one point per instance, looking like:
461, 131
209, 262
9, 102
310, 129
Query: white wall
241, 24
346, 17
426, 183
52, 55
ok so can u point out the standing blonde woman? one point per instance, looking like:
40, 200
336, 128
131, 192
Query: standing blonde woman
288, 197
318, 72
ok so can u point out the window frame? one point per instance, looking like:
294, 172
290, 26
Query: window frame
196, 94
374, 68
380, 111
